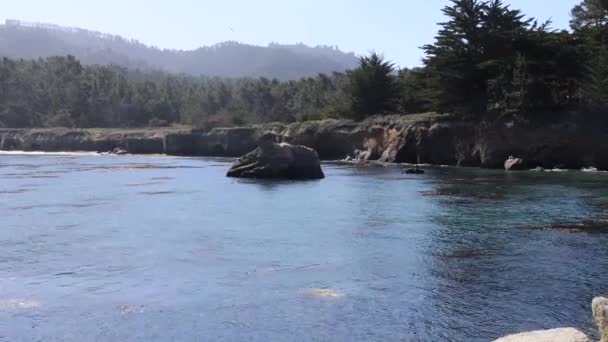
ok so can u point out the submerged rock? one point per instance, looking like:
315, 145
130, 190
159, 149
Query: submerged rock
323, 293
554, 335
515, 164
413, 171
538, 169
274, 160
596, 225
600, 313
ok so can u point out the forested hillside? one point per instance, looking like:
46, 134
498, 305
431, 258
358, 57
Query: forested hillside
487, 60
229, 59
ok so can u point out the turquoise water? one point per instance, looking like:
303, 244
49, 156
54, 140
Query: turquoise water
102, 248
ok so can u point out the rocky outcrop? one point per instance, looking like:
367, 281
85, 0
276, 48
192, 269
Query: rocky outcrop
567, 142
600, 313
278, 160
515, 164
555, 335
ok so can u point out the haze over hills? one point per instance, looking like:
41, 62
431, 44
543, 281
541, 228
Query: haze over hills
229, 59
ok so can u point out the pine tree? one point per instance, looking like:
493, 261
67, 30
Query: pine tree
372, 87
589, 13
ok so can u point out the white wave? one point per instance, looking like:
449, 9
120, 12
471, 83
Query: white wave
18, 304
322, 293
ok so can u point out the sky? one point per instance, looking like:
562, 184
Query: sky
395, 28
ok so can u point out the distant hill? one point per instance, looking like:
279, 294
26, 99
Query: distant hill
229, 59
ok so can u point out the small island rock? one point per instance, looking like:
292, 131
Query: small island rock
282, 161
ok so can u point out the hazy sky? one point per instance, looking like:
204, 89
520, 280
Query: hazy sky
396, 28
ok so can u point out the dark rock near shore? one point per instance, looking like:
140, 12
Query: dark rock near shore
413, 171
515, 164
274, 160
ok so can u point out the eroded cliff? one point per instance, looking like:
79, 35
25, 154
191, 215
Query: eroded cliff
422, 138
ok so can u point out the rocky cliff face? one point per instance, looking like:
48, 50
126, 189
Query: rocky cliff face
423, 138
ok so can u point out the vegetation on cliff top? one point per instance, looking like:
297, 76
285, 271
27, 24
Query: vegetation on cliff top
487, 58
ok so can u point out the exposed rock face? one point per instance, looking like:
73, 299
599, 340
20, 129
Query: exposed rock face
515, 164
569, 142
273, 160
600, 313
555, 335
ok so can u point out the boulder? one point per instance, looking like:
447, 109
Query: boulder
282, 161
119, 151
554, 335
600, 313
515, 164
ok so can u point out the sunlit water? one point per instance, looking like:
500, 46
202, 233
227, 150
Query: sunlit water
100, 248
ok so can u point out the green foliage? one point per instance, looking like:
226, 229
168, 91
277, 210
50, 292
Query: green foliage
472, 53
590, 25
59, 91
372, 87
595, 86
416, 93
589, 13
486, 59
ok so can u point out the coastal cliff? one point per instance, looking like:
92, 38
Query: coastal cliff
422, 138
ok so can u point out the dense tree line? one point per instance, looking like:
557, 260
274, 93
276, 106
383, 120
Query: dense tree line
489, 58
486, 59
59, 91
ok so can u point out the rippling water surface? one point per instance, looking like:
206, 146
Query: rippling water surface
99, 248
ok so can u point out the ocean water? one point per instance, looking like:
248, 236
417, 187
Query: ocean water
107, 248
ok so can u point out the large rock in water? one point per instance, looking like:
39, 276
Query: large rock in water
554, 335
600, 313
283, 161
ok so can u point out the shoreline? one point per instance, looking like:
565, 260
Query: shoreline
326, 162
435, 139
